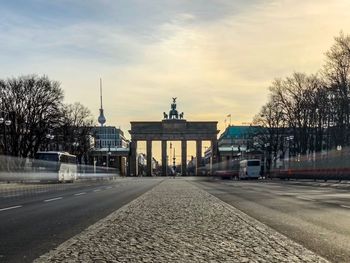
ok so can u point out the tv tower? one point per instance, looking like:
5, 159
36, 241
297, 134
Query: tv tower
101, 118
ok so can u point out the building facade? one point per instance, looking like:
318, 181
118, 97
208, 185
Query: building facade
237, 143
109, 137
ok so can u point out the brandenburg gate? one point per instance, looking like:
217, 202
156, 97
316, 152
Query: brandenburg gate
173, 127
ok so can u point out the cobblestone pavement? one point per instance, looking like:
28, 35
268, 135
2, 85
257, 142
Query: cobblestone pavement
178, 222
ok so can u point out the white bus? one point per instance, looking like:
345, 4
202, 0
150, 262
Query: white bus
249, 169
55, 166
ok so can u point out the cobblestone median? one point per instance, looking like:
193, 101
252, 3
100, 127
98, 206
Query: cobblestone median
178, 222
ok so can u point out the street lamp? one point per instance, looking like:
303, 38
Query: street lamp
266, 145
108, 154
4, 119
232, 156
50, 137
289, 139
174, 165
75, 147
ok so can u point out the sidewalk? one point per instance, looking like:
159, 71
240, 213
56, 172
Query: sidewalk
178, 222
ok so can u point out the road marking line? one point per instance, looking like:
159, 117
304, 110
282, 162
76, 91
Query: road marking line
345, 206
97, 190
6, 196
9, 208
109, 187
53, 199
83, 193
305, 198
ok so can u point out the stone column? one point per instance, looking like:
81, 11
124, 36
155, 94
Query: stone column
214, 156
164, 160
184, 157
133, 156
198, 156
149, 158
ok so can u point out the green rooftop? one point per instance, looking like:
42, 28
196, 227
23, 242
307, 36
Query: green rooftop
238, 131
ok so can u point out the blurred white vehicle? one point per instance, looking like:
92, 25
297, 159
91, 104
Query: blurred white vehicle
249, 169
55, 166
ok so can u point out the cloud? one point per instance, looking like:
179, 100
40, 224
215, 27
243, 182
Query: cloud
218, 57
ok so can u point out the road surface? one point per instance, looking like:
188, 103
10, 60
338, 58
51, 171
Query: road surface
33, 225
316, 217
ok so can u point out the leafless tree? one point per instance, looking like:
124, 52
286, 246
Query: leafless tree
337, 74
33, 104
74, 131
313, 109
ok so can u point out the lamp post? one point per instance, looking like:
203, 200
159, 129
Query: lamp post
289, 139
232, 156
174, 165
5, 121
266, 145
170, 158
50, 137
108, 154
75, 146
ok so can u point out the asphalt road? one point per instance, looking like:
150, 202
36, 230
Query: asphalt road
316, 217
32, 225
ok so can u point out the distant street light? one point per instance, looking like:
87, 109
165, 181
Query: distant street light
232, 156
109, 153
289, 139
49, 137
5, 119
266, 145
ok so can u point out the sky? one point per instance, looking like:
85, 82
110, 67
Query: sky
218, 57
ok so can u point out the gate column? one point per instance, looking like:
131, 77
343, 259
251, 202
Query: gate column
184, 157
149, 158
198, 156
164, 160
133, 161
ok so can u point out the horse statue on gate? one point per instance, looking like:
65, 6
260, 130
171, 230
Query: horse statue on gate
173, 114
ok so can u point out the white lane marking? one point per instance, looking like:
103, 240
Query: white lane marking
109, 187
305, 198
97, 190
345, 206
9, 208
53, 199
6, 196
82, 193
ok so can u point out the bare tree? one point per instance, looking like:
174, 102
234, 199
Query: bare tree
74, 131
33, 104
337, 73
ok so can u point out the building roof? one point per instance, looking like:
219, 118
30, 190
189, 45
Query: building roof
238, 132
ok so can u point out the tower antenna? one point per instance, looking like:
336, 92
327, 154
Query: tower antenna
101, 118
101, 92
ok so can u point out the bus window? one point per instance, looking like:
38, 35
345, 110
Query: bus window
253, 163
47, 157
